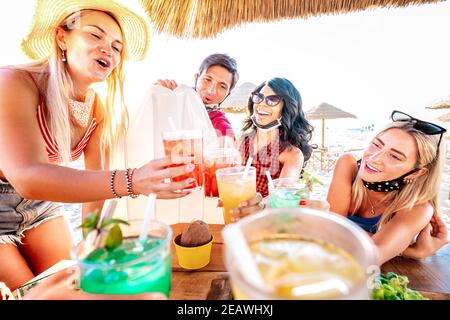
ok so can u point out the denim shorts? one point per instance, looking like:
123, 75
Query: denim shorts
18, 215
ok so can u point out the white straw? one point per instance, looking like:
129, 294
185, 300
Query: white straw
172, 125
107, 211
269, 178
148, 216
237, 245
247, 167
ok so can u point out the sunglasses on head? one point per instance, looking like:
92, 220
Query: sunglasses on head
271, 101
423, 126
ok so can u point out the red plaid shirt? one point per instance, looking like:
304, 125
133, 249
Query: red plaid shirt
265, 159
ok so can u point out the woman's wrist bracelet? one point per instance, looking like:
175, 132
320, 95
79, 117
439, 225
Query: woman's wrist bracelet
129, 178
113, 190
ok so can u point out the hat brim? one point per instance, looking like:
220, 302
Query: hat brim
48, 14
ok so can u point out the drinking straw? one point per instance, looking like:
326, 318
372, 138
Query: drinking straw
107, 211
172, 125
269, 178
237, 245
247, 167
148, 216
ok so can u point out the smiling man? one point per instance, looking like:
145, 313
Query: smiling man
214, 80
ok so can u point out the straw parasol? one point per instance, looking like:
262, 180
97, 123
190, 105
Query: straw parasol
444, 104
326, 111
237, 101
207, 18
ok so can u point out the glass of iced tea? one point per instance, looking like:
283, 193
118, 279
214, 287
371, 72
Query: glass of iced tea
302, 253
235, 186
186, 143
217, 159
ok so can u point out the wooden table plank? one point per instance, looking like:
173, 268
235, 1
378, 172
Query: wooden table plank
430, 275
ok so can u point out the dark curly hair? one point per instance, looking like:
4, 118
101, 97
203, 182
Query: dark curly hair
295, 130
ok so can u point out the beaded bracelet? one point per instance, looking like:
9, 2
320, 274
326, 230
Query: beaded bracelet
129, 177
113, 176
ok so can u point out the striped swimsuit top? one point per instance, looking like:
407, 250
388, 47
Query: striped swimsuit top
50, 143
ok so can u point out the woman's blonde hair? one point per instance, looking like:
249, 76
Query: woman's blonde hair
422, 189
57, 87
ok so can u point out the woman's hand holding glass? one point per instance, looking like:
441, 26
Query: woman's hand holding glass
151, 178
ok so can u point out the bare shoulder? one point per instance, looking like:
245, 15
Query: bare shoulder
421, 212
346, 163
16, 84
292, 154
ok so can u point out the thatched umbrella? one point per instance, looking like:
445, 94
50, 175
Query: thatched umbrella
237, 101
444, 104
326, 111
207, 18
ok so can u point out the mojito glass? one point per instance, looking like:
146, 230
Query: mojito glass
133, 267
287, 192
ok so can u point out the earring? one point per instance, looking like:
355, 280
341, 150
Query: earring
63, 56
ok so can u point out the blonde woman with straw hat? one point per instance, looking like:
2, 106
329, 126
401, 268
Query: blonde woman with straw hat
50, 116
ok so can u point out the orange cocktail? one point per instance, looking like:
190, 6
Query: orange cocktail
182, 144
217, 159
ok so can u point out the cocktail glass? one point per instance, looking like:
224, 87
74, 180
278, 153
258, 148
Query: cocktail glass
235, 186
186, 143
133, 267
214, 160
287, 192
302, 253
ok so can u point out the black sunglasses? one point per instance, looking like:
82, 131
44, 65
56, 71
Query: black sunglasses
271, 101
423, 126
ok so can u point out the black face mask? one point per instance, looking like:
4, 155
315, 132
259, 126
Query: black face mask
388, 185
266, 127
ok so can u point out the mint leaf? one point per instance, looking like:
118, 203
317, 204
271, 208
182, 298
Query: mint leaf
113, 221
113, 238
91, 220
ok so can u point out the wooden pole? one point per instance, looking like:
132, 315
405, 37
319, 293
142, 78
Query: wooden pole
323, 133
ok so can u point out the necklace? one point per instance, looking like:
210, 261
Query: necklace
372, 208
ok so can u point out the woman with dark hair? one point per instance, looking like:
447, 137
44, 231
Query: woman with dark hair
276, 135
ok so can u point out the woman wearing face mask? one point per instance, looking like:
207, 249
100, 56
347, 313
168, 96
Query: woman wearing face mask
392, 191
276, 136
50, 115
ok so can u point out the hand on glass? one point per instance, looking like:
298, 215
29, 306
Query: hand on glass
169, 84
248, 207
150, 178
316, 204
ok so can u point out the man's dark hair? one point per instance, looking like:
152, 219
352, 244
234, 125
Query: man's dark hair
223, 60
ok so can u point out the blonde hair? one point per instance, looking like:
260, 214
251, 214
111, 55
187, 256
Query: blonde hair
422, 189
60, 88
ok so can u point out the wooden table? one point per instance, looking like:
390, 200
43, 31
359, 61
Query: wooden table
430, 276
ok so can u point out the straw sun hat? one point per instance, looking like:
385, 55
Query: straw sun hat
48, 14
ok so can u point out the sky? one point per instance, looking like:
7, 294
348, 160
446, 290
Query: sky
367, 63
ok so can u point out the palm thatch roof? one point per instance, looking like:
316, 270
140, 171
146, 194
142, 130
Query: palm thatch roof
327, 111
444, 104
207, 18
237, 101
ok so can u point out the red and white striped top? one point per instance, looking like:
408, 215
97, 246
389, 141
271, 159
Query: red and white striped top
50, 143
